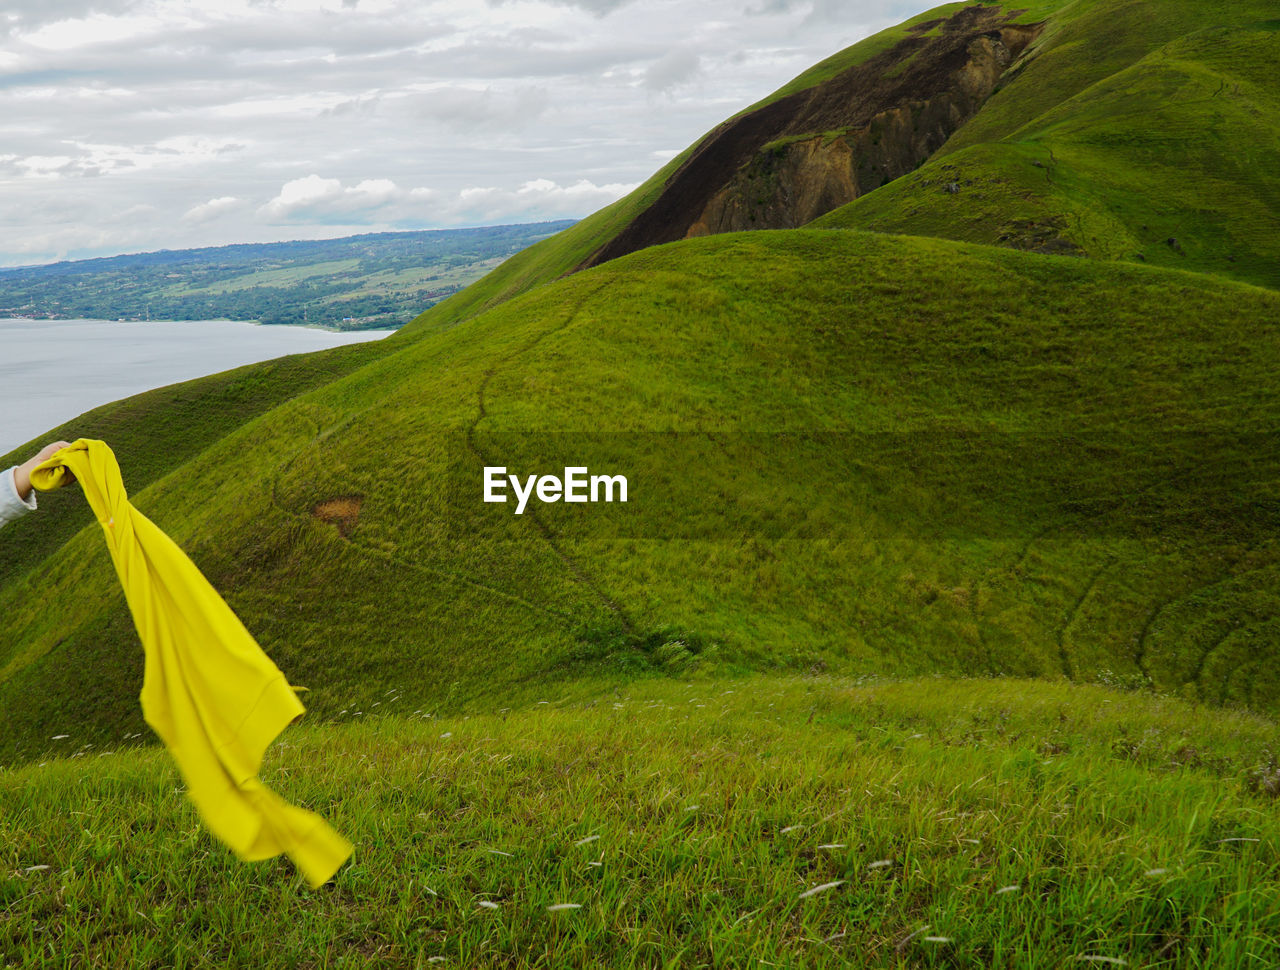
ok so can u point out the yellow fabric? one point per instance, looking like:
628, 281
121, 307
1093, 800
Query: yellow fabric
208, 690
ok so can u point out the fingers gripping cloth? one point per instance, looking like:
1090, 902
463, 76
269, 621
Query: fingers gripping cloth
210, 693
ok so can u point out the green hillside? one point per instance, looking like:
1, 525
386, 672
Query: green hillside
950, 552
834, 545
163, 428
1163, 147
931, 373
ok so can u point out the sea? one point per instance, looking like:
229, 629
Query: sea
54, 370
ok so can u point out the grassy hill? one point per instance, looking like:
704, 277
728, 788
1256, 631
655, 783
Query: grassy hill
829, 468
1163, 151
917, 455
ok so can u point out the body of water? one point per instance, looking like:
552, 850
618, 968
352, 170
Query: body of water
54, 370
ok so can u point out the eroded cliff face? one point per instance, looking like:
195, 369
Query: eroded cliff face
792, 181
810, 152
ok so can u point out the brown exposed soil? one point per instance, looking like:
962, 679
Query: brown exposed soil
342, 512
810, 152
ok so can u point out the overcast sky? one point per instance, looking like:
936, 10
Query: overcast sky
134, 125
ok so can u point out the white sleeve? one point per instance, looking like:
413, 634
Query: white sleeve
11, 504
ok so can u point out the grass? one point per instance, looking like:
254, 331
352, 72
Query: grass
873, 475
691, 822
547, 260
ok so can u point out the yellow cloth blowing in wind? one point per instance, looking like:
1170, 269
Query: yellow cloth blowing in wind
208, 690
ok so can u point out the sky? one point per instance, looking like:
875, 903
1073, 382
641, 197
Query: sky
137, 125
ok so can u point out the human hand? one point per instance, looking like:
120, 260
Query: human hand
22, 474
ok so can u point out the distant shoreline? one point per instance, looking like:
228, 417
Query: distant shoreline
376, 281
256, 323
57, 369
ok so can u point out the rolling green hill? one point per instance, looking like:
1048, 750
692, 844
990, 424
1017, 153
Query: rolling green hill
1163, 154
954, 428
928, 371
835, 505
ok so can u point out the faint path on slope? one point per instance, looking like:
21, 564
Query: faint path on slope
549, 537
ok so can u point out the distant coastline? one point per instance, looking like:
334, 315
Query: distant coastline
53, 370
7, 316
378, 281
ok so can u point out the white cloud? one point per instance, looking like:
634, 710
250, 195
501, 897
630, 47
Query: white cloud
314, 199
464, 109
45, 166
72, 34
178, 151
302, 194
213, 208
375, 191
534, 200
600, 8
311, 103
